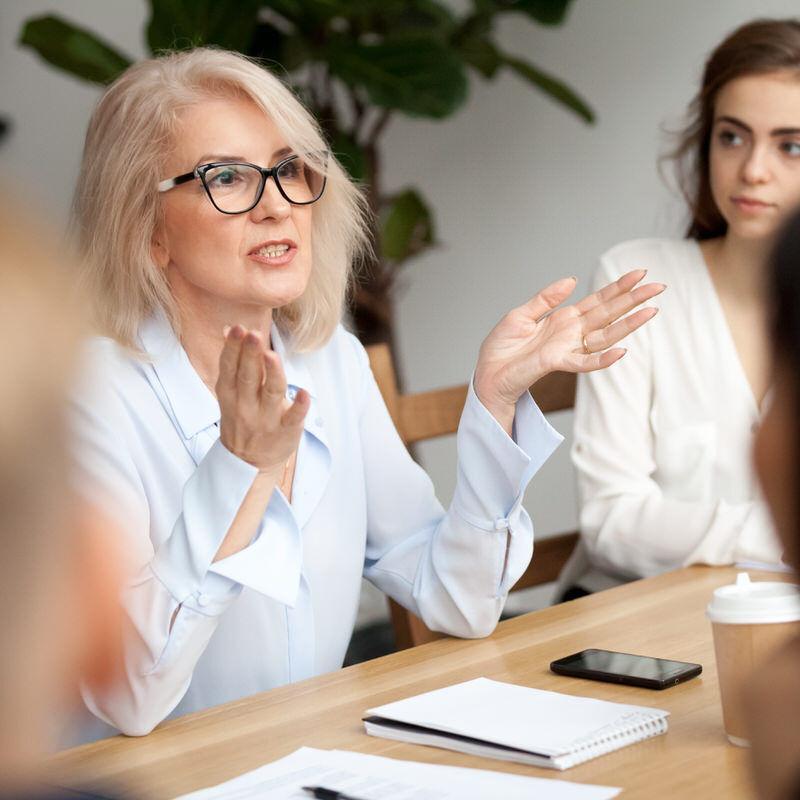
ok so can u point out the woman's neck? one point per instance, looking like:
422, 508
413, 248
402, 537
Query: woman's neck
203, 337
737, 266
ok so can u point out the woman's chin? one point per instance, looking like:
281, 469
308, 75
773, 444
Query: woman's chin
275, 294
754, 230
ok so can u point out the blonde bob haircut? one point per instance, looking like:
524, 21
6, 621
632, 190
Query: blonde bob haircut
117, 208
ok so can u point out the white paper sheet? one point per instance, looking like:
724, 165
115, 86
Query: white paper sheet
376, 778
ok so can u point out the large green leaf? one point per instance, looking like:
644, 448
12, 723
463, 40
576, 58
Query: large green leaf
288, 9
281, 52
478, 51
402, 17
266, 42
546, 12
551, 85
295, 52
407, 226
381, 17
471, 40
424, 15
417, 75
73, 49
183, 24
310, 16
350, 156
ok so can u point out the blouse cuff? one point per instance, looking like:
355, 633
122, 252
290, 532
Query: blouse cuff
494, 469
211, 499
215, 594
272, 563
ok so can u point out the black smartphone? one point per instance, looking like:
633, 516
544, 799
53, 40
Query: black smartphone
605, 665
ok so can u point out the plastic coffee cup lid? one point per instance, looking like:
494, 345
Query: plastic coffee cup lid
749, 602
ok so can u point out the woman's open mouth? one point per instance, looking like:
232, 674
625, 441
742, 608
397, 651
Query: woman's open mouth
274, 253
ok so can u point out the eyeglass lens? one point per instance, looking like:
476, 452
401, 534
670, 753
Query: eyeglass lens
234, 188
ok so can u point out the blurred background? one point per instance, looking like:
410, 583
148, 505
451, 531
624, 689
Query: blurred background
518, 188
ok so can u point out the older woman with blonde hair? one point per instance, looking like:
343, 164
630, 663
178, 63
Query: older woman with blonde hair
237, 426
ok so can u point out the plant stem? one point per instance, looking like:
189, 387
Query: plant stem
378, 128
358, 113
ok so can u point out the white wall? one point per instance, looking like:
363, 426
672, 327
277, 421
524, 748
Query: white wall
524, 192
49, 109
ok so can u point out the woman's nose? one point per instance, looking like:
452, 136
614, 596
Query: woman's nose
272, 203
756, 168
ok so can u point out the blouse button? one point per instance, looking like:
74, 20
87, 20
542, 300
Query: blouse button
203, 600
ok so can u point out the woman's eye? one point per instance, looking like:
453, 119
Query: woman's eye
729, 138
225, 177
791, 148
290, 171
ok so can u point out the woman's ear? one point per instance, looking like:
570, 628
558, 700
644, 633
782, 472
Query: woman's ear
159, 251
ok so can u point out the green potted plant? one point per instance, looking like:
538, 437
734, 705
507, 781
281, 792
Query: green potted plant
356, 64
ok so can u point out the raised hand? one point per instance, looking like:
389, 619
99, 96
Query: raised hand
540, 337
258, 424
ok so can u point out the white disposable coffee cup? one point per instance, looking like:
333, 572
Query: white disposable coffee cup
750, 620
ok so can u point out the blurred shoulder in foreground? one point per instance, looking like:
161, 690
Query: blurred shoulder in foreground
58, 617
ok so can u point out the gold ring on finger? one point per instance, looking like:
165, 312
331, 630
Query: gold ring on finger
585, 345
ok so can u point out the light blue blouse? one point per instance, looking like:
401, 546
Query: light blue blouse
283, 609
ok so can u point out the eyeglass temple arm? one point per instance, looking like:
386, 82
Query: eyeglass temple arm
170, 183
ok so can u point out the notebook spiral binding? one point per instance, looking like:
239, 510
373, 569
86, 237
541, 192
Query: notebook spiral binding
630, 728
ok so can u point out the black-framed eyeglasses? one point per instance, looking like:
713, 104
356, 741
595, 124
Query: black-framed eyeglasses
235, 187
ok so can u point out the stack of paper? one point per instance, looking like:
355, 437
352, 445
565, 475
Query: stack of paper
375, 778
516, 723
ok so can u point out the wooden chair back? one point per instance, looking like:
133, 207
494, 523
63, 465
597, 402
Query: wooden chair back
427, 415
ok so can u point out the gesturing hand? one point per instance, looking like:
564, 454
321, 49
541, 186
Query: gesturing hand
534, 339
258, 424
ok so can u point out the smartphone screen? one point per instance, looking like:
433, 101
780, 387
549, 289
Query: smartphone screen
605, 665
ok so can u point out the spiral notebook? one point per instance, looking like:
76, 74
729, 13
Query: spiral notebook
516, 723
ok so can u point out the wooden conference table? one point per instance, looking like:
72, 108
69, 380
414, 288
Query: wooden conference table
663, 616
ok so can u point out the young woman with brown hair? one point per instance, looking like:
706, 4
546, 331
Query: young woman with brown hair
662, 442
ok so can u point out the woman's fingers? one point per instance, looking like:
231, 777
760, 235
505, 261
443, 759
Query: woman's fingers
610, 335
608, 311
550, 297
229, 359
296, 413
604, 359
258, 424
250, 373
258, 375
610, 291
579, 362
273, 391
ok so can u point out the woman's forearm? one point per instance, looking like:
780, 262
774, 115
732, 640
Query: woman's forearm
249, 516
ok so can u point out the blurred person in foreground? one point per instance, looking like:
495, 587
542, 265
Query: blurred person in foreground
58, 579
774, 696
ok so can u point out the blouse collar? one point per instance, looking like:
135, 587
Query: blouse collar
194, 405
